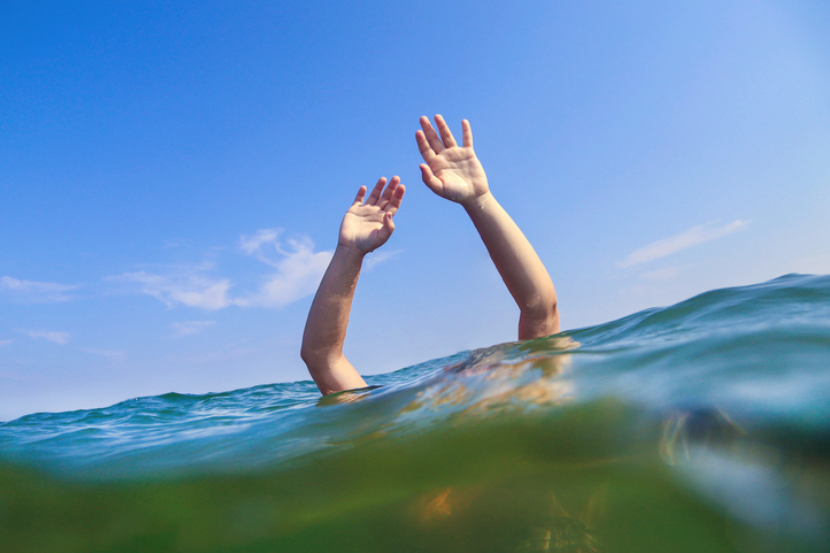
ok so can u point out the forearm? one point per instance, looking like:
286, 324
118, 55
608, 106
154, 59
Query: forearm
328, 319
519, 266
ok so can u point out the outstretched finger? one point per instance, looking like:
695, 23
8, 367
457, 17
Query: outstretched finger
446, 134
395, 202
360, 195
373, 197
423, 146
467, 140
390, 189
432, 137
432, 182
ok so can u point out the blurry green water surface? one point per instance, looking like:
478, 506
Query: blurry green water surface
704, 426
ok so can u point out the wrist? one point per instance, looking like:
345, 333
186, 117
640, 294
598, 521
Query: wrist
479, 203
350, 250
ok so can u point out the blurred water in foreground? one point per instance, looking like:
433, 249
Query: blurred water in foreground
704, 426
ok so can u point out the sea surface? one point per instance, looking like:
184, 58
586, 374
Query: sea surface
700, 427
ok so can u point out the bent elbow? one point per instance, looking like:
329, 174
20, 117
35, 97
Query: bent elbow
548, 316
309, 355
319, 360
539, 318
312, 358
542, 307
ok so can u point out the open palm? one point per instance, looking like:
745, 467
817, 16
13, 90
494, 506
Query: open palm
451, 171
367, 226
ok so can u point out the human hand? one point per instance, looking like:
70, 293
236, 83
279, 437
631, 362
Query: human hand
450, 171
367, 226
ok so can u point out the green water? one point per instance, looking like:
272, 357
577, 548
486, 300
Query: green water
699, 427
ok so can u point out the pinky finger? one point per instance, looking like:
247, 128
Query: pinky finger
467, 138
360, 195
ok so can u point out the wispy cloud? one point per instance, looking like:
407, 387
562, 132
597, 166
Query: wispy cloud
188, 328
57, 337
253, 245
4, 343
299, 270
227, 352
673, 244
661, 275
377, 257
111, 354
176, 243
28, 290
187, 287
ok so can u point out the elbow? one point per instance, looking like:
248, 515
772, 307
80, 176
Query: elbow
539, 317
541, 306
305, 355
310, 356
313, 351
315, 365
318, 360
545, 312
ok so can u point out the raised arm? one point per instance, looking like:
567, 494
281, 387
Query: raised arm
366, 227
455, 173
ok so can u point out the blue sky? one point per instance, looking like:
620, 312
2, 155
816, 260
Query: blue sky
173, 175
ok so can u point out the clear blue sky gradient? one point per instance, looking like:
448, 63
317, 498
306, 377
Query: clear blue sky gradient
650, 152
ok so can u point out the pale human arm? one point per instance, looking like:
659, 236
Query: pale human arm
455, 173
365, 227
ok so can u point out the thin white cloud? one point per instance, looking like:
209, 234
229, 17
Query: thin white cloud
299, 271
57, 337
191, 289
377, 257
4, 343
37, 291
111, 354
253, 245
176, 243
673, 244
660, 275
227, 352
188, 328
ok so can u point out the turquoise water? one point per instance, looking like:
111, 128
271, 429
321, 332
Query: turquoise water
704, 426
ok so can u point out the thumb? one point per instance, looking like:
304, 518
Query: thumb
432, 182
387, 229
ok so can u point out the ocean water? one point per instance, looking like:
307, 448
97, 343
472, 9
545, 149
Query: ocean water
704, 426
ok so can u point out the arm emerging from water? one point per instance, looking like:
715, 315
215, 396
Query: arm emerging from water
455, 173
365, 227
